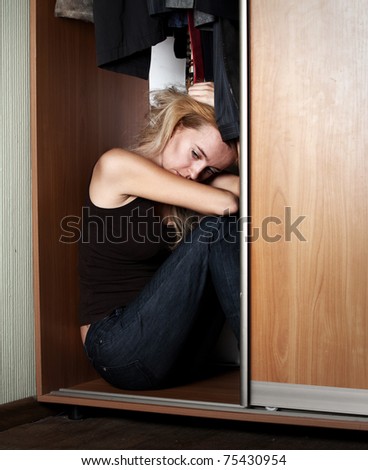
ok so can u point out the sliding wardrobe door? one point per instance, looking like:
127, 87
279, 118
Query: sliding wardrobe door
309, 204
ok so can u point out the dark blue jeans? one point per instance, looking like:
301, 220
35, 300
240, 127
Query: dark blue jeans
144, 345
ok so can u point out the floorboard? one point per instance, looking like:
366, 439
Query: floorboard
29, 425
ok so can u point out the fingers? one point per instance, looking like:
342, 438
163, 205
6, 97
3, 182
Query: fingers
204, 92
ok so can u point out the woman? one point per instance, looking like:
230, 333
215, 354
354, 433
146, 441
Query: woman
140, 302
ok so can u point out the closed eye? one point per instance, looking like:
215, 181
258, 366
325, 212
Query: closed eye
212, 171
208, 173
209, 170
195, 155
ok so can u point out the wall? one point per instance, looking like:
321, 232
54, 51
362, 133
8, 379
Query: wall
17, 365
166, 69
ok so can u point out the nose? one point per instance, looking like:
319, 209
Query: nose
195, 170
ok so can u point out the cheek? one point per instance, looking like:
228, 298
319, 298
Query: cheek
230, 158
174, 156
179, 160
168, 160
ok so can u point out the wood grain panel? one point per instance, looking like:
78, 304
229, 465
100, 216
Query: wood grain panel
78, 111
309, 142
220, 386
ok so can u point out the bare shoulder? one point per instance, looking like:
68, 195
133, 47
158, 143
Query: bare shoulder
110, 171
114, 160
118, 164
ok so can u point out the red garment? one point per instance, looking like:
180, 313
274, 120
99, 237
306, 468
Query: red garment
196, 46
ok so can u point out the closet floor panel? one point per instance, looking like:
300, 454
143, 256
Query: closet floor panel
222, 387
215, 397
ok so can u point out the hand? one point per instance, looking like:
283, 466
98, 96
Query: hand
204, 92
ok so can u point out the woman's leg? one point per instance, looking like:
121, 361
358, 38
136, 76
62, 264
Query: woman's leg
224, 264
137, 347
196, 357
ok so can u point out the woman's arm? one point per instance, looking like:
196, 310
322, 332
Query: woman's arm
227, 181
120, 175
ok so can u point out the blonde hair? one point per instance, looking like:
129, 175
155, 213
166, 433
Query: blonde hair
170, 108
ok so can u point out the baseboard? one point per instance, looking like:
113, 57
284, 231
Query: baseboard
27, 410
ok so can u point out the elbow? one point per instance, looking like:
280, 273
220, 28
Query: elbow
234, 206
231, 205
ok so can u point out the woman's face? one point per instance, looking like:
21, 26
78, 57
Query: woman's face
197, 154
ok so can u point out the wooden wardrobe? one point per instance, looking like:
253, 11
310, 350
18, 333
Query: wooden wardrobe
304, 172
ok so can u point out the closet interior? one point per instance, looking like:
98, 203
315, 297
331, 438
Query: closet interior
78, 111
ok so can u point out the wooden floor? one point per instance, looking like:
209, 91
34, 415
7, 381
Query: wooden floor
29, 425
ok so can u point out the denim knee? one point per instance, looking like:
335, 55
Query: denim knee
213, 229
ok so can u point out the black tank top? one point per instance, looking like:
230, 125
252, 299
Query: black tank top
119, 251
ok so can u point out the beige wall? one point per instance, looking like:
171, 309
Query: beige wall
17, 368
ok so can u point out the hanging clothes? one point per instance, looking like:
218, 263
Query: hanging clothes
220, 8
226, 83
75, 9
196, 48
126, 31
226, 63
